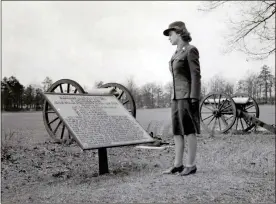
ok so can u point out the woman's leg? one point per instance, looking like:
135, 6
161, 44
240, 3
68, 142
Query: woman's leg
193, 126
179, 150
192, 147
178, 159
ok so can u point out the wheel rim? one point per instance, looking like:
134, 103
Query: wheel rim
53, 124
217, 113
124, 96
251, 108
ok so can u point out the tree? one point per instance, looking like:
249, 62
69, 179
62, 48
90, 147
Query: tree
229, 88
38, 99
147, 95
29, 96
6, 92
169, 88
47, 83
204, 88
241, 86
17, 91
139, 98
265, 77
259, 83
12, 92
217, 84
158, 90
132, 87
271, 85
254, 25
251, 84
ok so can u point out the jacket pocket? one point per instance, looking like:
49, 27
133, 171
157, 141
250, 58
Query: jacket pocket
182, 89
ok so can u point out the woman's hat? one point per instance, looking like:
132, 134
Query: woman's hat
177, 25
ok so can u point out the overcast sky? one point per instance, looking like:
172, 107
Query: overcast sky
91, 41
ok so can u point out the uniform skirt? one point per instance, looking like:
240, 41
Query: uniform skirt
185, 117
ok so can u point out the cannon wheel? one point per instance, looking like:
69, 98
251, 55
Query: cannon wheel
217, 113
124, 96
53, 124
251, 108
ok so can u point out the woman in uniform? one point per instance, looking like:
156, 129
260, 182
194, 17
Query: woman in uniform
185, 69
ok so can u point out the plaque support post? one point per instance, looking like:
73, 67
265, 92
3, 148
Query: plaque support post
103, 161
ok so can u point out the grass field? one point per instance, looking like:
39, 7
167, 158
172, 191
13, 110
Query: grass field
231, 168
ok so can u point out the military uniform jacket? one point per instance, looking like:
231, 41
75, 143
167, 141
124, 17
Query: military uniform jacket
185, 69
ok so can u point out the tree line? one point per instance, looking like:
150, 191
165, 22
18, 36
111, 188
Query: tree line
16, 97
260, 86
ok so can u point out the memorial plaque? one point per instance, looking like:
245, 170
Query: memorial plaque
97, 121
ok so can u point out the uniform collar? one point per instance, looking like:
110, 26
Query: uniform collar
182, 48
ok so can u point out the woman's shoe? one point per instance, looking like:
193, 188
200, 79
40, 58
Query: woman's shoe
174, 170
188, 170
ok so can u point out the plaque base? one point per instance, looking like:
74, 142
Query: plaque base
103, 161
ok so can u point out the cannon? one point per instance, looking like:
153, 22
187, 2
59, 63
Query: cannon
220, 112
55, 126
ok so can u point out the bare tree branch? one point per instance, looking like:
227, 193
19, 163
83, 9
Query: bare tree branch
213, 5
255, 26
253, 31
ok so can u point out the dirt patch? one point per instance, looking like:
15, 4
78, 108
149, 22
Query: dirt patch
231, 169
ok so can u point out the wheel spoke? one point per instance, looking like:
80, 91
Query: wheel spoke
219, 100
213, 128
52, 121
125, 102
242, 124
237, 123
211, 104
60, 87
208, 107
223, 120
249, 107
211, 120
57, 126
119, 97
229, 118
222, 104
68, 88
225, 107
207, 117
50, 111
219, 124
227, 112
215, 100
62, 131
48, 107
75, 90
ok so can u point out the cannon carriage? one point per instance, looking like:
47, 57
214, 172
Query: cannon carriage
220, 113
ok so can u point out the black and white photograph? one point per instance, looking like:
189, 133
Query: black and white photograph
138, 102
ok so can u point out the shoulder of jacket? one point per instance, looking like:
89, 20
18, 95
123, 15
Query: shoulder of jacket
192, 47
